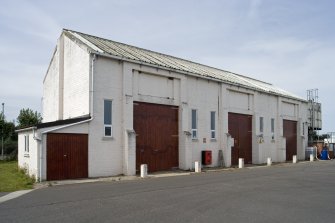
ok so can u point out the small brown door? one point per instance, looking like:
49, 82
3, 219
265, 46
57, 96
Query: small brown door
240, 128
156, 128
290, 133
67, 156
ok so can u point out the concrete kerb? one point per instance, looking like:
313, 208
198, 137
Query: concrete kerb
80, 181
124, 178
169, 175
255, 166
13, 195
106, 179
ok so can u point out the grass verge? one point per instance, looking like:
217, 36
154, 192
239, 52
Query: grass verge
12, 178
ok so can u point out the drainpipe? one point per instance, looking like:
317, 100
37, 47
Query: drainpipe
39, 148
40, 140
92, 84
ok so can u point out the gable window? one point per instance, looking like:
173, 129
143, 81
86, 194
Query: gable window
26, 143
194, 130
108, 118
261, 124
212, 124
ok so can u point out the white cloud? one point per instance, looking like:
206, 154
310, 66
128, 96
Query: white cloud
26, 18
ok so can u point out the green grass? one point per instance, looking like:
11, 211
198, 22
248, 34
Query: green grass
12, 178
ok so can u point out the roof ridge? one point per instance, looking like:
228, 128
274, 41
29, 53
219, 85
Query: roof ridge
141, 55
167, 55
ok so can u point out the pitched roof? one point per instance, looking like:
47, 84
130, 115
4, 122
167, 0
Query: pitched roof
123, 51
55, 123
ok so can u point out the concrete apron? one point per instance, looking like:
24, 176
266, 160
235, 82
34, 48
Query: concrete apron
9, 196
150, 175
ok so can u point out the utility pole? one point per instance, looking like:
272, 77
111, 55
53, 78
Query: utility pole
3, 126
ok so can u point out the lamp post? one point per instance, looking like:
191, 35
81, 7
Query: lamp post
3, 126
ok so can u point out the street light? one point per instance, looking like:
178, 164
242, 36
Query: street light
3, 126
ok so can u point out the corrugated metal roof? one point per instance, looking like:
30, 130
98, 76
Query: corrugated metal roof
136, 54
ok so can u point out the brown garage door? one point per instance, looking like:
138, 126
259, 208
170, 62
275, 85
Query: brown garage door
156, 128
290, 133
67, 156
239, 127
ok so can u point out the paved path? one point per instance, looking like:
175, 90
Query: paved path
302, 192
3, 193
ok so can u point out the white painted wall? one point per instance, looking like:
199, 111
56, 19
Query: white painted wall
203, 95
66, 84
105, 154
76, 80
28, 160
50, 103
264, 145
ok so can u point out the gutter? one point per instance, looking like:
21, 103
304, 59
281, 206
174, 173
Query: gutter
26, 129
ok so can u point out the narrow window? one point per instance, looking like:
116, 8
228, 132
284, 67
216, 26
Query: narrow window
108, 118
261, 124
273, 129
212, 124
303, 128
26, 143
194, 124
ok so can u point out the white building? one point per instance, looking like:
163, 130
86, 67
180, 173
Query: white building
109, 107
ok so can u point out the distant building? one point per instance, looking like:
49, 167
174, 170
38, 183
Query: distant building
109, 107
331, 137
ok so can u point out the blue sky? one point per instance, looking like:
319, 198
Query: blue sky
289, 43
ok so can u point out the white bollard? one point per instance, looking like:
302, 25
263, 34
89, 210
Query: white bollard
269, 162
240, 163
311, 157
294, 160
197, 167
144, 170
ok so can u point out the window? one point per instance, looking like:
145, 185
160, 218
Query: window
261, 124
303, 128
212, 124
108, 118
273, 129
194, 124
26, 143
